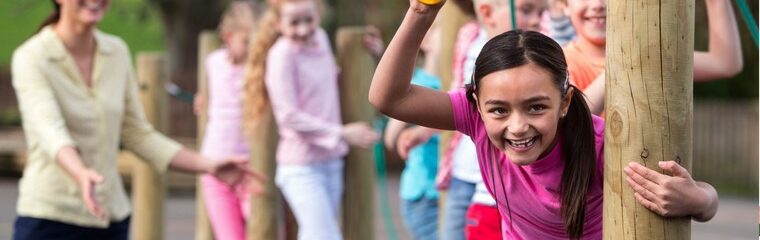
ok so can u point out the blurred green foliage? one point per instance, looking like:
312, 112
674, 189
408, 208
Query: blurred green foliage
133, 20
10, 117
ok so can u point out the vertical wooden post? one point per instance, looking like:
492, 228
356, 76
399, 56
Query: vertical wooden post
262, 221
357, 67
650, 46
265, 207
207, 42
149, 185
450, 20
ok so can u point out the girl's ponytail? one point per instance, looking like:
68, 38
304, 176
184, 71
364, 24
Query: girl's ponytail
255, 97
577, 132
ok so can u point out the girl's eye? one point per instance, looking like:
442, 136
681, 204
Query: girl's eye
308, 20
536, 108
498, 111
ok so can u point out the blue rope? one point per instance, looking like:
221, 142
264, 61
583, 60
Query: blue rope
747, 16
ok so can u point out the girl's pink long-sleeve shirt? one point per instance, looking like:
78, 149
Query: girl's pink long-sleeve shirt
302, 84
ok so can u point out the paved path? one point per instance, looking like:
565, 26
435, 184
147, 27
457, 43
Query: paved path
737, 218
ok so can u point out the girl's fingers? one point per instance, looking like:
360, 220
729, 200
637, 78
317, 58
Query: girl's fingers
255, 188
674, 169
641, 180
645, 172
638, 189
260, 177
649, 204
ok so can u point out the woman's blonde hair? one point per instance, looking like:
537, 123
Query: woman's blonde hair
255, 97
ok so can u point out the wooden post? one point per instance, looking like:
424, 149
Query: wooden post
357, 67
149, 185
207, 42
650, 46
450, 20
262, 221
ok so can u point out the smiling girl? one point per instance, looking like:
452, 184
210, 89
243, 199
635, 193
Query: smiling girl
293, 69
539, 148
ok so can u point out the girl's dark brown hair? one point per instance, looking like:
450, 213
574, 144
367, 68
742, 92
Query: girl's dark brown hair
516, 48
53, 18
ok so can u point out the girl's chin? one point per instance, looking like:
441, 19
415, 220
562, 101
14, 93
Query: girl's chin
522, 162
519, 158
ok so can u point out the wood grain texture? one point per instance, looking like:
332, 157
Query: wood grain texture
648, 107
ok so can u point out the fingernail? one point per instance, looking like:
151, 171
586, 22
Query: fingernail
627, 169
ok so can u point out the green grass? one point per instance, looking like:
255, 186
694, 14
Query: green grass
133, 20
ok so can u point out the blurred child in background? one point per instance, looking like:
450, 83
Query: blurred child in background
293, 69
419, 196
227, 205
586, 54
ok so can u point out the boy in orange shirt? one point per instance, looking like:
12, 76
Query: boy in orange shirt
585, 54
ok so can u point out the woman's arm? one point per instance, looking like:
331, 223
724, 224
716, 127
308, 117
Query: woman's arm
391, 91
230, 170
68, 157
723, 58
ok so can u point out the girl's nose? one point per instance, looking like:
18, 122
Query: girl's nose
303, 30
517, 125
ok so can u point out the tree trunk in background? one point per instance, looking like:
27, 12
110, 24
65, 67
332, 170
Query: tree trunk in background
183, 21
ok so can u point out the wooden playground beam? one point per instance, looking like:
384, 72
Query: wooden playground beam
207, 42
648, 108
149, 186
357, 67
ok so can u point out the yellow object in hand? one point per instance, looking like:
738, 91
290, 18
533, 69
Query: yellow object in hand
429, 2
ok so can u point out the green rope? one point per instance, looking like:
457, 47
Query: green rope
512, 14
747, 14
385, 207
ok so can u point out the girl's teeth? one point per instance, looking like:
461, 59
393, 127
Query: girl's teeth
523, 143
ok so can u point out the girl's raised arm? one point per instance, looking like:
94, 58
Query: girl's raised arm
391, 92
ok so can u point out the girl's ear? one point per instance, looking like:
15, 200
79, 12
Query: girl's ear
475, 97
566, 100
483, 12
